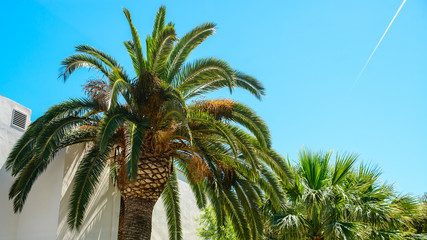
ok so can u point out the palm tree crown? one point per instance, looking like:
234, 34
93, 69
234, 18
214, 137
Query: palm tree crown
145, 128
336, 200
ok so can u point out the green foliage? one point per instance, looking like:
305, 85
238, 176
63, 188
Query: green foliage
170, 199
208, 229
419, 220
338, 200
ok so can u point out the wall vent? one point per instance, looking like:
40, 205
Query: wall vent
19, 119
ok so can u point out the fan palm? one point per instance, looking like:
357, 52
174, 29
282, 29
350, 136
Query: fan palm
145, 129
338, 201
419, 222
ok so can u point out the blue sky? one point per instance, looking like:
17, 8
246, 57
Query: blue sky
307, 53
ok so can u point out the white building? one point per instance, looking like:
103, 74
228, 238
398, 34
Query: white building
45, 211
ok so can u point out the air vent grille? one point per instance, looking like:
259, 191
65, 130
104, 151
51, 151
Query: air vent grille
19, 119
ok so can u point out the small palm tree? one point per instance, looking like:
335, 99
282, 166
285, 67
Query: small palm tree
337, 201
145, 129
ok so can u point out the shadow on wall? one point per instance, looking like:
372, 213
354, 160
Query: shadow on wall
101, 220
8, 220
38, 219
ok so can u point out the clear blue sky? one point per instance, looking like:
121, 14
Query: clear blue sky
307, 53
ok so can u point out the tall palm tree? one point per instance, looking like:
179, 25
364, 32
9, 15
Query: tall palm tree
145, 128
336, 200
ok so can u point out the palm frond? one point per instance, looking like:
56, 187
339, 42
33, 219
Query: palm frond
136, 138
119, 84
170, 197
343, 167
314, 168
271, 187
250, 84
184, 47
109, 125
136, 43
44, 152
235, 213
162, 48
240, 80
77, 61
159, 21
201, 72
104, 57
24, 148
250, 201
130, 47
86, 180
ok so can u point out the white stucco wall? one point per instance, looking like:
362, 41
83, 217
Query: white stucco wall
39, 217
45, 211
9, 133
8, 136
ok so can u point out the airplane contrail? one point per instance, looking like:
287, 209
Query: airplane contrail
378, 44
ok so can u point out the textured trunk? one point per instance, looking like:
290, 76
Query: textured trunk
138, 199
135, 219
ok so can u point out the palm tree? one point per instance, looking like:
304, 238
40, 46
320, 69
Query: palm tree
338, 201
145, 128
419, 221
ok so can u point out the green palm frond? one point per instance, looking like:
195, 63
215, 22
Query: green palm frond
23, 149
78, 136
201, 72
170, 197
119, 84
163, 46
159, 21
77, 61
343, 167
109, 125
246, 117
221, 128
130, 47
136, 139
343, 230
86, 180
44, 151
235, 212
314, 168
250, 84
104, 57
240, 80
250, 201
197, 187
141, 63
271, 187
184, 47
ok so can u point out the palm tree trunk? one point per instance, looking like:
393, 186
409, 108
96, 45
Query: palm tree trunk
138, 198
135, 219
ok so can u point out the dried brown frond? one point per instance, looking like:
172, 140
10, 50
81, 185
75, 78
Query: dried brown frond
162, 141
88, 127
228, 173
97, 89
120, 136
219, 108
151, 107
198, 168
